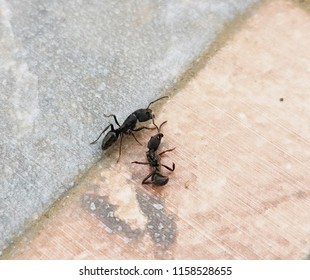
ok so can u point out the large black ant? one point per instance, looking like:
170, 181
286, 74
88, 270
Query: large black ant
154, 160
128, 127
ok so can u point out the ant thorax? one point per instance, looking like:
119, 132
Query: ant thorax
129, 124
153, 158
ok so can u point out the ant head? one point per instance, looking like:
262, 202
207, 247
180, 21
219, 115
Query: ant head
160, 180
149, 114
144, 115
154, 141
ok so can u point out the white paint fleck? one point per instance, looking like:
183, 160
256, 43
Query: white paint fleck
217, 185
92, 206
126, 240
35, 216
158, 206
221, 182
244, 119
160, 226
102, 87
288, 166
242, 116
106, 228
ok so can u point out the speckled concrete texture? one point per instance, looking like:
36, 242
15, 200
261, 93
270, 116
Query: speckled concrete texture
240, 189
65, 63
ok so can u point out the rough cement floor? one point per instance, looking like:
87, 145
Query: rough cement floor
241, 185
63, 64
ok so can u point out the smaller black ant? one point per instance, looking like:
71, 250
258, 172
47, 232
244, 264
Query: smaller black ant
128, 127
154, 160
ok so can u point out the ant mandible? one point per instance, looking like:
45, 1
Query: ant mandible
128, 127
154, 160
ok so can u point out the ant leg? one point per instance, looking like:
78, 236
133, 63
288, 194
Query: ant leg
153, 117
143, 127
158, 128
135, 138
120, 148
139, 162
112, 115
169, 168
147, 177
166, 151
112, 128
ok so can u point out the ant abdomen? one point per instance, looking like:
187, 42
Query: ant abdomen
159, 179
109, 140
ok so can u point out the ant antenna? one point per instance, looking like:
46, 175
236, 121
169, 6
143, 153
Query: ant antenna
161, 125
158, 128
166, 96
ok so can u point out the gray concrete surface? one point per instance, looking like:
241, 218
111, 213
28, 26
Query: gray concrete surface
65, 63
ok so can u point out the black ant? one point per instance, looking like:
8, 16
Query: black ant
154, 160
128, 127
